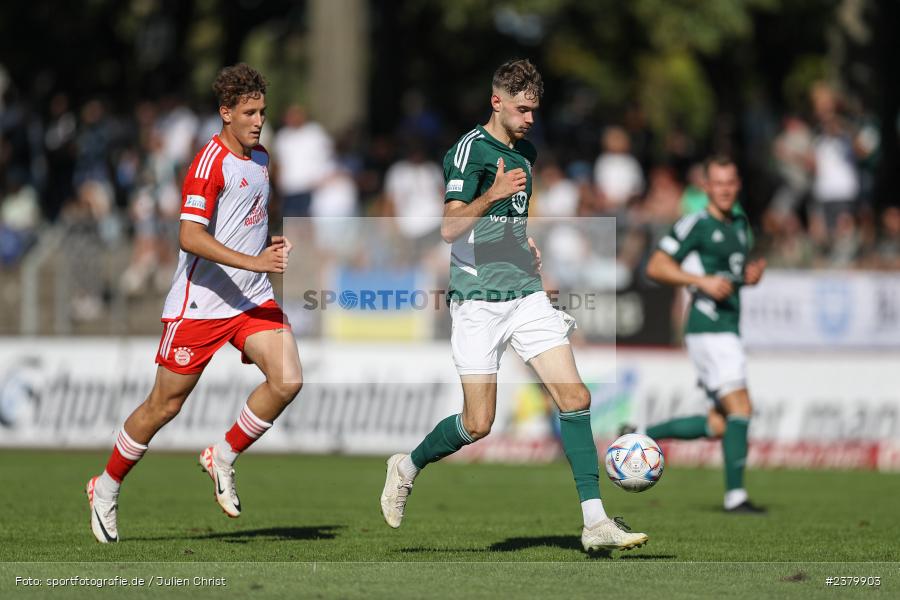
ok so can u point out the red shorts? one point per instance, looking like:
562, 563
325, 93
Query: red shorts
187, 345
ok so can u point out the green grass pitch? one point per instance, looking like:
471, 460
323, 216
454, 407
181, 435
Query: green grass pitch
311, 527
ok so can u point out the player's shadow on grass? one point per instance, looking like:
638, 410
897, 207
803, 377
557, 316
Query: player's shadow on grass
566, 542
244, 536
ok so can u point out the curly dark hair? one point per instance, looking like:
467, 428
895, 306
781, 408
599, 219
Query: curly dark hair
519, 75
237, 82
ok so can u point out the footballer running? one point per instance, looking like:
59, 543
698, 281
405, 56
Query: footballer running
497, 299
220, 293
707, 251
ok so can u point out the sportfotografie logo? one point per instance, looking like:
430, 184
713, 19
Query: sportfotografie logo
418, 300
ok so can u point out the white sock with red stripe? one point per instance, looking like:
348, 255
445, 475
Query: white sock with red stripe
125, 455
242, 434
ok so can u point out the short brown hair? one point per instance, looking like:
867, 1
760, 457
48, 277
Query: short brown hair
519, 75
719, 160
237, 82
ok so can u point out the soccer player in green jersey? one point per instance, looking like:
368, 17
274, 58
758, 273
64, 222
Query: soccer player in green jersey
497, 299
707, 251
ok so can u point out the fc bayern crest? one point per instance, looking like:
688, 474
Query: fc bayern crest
183, 356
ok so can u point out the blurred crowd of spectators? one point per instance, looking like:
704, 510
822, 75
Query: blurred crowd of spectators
119, 174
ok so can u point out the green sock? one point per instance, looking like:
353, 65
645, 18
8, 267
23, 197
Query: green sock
683, 428
734, 450
447, 437
578, 443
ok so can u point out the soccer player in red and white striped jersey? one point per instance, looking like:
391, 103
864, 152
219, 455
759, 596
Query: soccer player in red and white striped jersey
221, 293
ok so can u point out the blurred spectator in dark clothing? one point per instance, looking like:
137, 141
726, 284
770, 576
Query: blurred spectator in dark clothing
93, 145
788, 246
59, 148
887, 248
846, 245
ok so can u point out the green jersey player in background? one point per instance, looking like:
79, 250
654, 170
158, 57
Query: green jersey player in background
707, 251
497, 299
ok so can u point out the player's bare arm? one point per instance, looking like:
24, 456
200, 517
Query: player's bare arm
536, 253
195, 239
460, 217
662, 268
754, 271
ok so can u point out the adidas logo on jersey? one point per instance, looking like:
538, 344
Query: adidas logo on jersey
243, 183
717, 236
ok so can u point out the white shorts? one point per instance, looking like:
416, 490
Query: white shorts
481, 330
720, 362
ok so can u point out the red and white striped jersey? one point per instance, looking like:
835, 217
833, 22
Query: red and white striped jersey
230, 195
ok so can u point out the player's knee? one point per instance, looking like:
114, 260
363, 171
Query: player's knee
168, 408
741, 407
479, 429
581, 398
716, 427
286, 391
164, 407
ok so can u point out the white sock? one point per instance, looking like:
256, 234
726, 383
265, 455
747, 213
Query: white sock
592, 511
106, 486
223, 454
735, 497
407, 468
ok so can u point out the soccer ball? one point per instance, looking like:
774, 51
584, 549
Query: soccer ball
634, 462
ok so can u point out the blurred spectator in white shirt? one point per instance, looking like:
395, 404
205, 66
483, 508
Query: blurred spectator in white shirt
557, 195
836, 183
795, 161
617, 174
414, 191
303, 158
20, 216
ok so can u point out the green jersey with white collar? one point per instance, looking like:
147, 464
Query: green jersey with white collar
704, 245
492, 261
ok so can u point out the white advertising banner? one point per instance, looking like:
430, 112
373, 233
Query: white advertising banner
822, 309
356, 398
810, 410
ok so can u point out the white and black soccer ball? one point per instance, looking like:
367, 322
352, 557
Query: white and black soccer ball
634, 462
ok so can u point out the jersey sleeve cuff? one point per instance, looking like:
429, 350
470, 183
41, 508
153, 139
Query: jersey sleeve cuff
457, 198
194, 218
669, 245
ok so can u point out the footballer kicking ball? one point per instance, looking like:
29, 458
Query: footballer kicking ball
634, 462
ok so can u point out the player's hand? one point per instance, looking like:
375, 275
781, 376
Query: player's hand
288, 246
506, 184
753, 272
536, 253
716, 287
273, 259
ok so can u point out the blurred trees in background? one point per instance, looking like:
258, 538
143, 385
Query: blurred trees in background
691, 67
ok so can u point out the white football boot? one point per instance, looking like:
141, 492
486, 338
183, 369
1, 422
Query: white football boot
396, 491
223, 483
611, 534
104, 514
